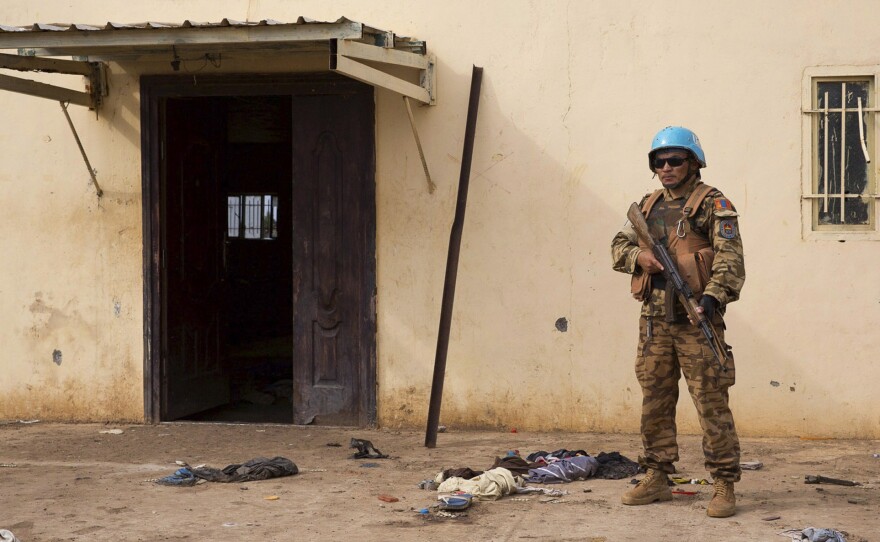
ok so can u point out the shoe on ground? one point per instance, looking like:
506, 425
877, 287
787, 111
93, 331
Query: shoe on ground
654, 487
459, 501
723, 503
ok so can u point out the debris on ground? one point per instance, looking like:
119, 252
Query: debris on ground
459, 501
819, 479
694, 481
450, 515
365, 448
492, 484
428, 484
543, 490
259, 468
812, 534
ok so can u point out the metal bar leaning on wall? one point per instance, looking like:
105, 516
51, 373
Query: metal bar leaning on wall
452, 261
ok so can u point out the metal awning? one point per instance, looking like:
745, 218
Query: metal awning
354, 49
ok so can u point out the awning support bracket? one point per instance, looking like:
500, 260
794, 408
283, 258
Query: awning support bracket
82, 151
95, 72
347, 57
412, 123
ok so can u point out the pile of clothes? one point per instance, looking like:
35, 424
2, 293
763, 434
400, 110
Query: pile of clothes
259, 468
511, 473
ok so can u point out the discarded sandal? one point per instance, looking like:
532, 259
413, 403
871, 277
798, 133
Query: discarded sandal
455, 502
365, 448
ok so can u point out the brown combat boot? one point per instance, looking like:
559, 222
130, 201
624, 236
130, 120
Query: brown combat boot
653, 487
723, 503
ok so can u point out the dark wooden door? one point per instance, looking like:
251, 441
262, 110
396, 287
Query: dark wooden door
334, 262
194, 376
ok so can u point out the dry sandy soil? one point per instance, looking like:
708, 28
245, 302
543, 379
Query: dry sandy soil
76, 482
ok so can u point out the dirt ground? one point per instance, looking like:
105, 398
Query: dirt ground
78, 482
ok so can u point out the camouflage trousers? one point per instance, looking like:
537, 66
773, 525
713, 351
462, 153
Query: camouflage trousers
669, 350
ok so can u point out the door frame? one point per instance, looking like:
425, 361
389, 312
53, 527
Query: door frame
154, 89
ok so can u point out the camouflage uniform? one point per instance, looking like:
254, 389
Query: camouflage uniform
669, 345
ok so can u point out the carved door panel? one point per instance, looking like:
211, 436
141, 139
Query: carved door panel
334, 262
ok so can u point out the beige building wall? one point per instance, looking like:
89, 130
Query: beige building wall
572, 94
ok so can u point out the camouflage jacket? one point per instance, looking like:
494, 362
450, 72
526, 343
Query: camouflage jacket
717, 220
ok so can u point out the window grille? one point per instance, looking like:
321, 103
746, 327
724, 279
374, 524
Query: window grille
252, 216
840, 192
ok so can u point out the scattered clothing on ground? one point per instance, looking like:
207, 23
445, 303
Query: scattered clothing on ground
461, 472
515, 464
568, 469
549, 457
182, 477
7, 536
613, 466
492, 484
259, 468
812, 534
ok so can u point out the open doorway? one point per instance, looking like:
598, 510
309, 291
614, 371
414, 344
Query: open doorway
228, 315
261, 250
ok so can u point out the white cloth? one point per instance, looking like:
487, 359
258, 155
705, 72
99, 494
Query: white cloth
7, 536
492, 484
812, 534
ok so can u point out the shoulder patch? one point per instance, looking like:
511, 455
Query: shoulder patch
723, 204
727, 229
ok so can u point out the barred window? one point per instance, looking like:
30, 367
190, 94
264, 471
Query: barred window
252, 216
840, 192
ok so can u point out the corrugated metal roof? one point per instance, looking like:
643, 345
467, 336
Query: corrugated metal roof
116, 40
153, 25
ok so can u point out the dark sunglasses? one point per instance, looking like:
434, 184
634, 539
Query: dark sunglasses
674, 161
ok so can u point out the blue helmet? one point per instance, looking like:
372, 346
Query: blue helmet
676, 137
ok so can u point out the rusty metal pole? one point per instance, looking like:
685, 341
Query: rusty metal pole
452, 261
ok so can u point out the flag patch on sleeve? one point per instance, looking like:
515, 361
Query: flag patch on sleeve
723, 204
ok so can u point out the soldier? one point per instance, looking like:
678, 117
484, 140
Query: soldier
698, 226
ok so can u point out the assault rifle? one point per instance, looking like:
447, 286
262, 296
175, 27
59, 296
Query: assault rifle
682, 288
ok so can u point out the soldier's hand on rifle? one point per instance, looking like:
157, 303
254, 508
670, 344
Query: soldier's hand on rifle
707, 306
648, 262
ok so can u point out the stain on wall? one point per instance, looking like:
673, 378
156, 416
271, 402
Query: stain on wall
74, 401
